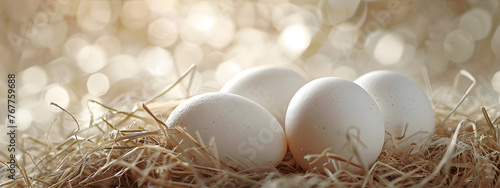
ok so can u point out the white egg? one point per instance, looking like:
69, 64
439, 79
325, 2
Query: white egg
323, 113
401, 102
246, 136
271, 87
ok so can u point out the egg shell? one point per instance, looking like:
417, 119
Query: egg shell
271, 87
247, 137
321, 115
401, 102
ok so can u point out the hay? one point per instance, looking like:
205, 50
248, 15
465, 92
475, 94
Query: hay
132, 149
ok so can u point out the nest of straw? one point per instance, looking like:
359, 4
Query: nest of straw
132, 149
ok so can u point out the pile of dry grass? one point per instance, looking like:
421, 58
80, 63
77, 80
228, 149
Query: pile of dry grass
132, 149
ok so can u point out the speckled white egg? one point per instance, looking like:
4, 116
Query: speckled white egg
271, 87
401, 102
246, 135
323, 113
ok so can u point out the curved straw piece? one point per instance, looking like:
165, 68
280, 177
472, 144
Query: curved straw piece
466, 74
191, 68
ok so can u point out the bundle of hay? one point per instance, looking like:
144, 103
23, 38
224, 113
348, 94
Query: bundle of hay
133, 149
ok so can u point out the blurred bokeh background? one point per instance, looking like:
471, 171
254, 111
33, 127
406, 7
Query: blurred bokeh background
124, 52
